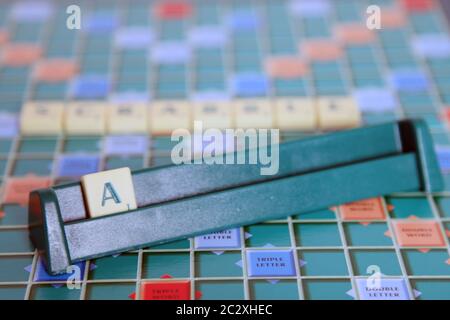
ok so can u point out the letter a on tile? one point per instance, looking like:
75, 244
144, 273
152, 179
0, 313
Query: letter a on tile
109, 194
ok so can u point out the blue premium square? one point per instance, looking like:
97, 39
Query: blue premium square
74, 166
221, 239
270, 263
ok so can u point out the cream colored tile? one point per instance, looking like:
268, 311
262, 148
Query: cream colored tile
42, 118
338, 113
214, 114
253, 113
84, 118
109, 192
166, 116
296, 114
127, 118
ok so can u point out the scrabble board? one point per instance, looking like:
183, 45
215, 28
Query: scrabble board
61, 94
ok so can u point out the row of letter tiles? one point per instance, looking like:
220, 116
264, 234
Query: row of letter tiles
84, 118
